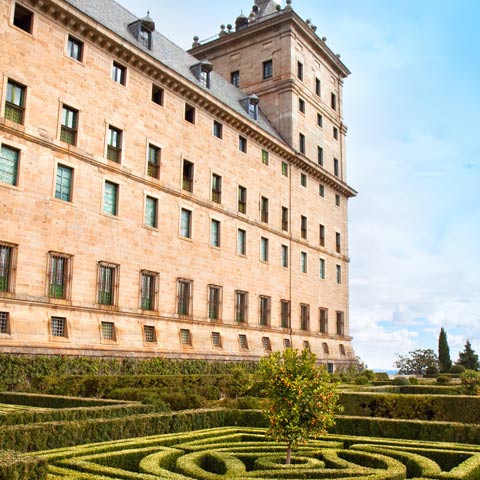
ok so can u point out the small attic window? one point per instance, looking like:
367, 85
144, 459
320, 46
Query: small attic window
202, 71
251, 106
145, 37
142, 30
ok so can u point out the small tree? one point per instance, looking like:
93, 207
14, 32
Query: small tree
468, 358
301, 398
416, 362
470, 382
444, 361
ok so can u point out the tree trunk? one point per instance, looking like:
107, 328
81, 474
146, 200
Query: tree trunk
289, 454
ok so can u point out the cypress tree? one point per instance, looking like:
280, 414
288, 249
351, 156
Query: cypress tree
444, 360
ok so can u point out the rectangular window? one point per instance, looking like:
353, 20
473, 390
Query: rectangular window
242, 199
306, 345
215, 233
185, 336
119, 73
286, 343
114, 144
337, 200
68, 129
63, 183
284, 256
59, 275
267, 69
107, 283
318, 87
23, 18
303, 262
148, 290
304, 317
321, 190
303, 227
15, 102
151, 212
235, 78
322, 269
241, 306
323, 319
217, 129
342, 350
322, 235
284, 313
187, 176
110, 198
264, 249
338, 242
335, 133
326, 350
303, 179
108, 331
157, 95
285, 169
301, 105
319, 120
189, 114
265, 157
185, 223
300, 70
285, 219
267, 346
214, 302
7, 267
264, 209
243, 342
216, 188
320, 156
264, 319
184, 297
340, 324
58, 327
301, 143
153, 166
149, 334
336, 167
242, 144
333, 102
216, 340
5, 323
9, 165
75, 48
241, 242
339, 274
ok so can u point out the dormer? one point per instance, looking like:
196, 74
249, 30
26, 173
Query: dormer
142, 30
250, 104
202, 72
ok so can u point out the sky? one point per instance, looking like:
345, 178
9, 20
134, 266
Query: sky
412, 107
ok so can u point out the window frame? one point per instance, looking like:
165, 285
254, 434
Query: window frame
216, 190
115, 197
242, 144
264, 310
184, 299
322, 269
54, 331
235, 78
113, 337
30, 20
8, 268
267, 69
72, 44
119, 73
185, 337
241, 307
323, 320
188, 175
215, 233
154, 155
303, 262
284, 256
214, 303
69, 133
149, 302
264, 249
146, 339
59, 281
264, 209
241, 233
7, 176
114, 144
106, 286
242, 199
158, 95
12, 108
285, 314
61, 192
303, 227
186, 233
302, 143
217, 129
300, 71
150, 222
340, 323
190, 114
5, 323
304, 317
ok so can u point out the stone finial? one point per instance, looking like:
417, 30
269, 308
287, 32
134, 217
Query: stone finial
338, 55
223, 32
196, 42
324, 39
289, 5
229, 28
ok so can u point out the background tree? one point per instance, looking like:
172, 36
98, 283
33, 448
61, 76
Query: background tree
468, 358
302, 399
416, 362
444, 361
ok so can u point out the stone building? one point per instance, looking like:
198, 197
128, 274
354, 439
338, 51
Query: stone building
149, 206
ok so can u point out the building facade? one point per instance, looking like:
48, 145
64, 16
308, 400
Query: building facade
149, 206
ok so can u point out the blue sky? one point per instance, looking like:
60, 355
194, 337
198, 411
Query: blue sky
412, 105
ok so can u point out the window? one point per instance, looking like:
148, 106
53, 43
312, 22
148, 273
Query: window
267, 69
320, 156
339, 274
185, 223
264, 209
319, 120
241, 242
267, 346
284, 256
338, 242
303, 179
157, 95
318, 87
285, 219
5, 323
59, 275
185, 337
264, 249
145, 37
235, 78
326, 350
184, 297
336, 167
300, 70
151, 212
264, 157
187, 176
306, 345
322, 235
215, 233
340, 324
149, 334
301, 105
337, 200
333, 102
243, 342
285, 169
107, 283
148, 290
323, 319
23, 18
214, 302
75, 48
216, 188
252, 106
286, 343
189, 113
204, 74
68, 129
321, 190
303, 227
7, 267
63, 183
303, 262
284, 313
216, 340
264, 319
153, 165
58, 327
241, 306
242, 199
342, 350
15, 102
119, 73
110, 198
217, 129
9, 165
335, 133
242, 144
108, 331
322, 269
304, 317
301, 143
114, 144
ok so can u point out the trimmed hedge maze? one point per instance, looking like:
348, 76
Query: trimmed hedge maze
245, 453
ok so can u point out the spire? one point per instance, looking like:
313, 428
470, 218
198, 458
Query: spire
265, 7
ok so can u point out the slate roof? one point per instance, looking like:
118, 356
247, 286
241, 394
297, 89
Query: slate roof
116, 18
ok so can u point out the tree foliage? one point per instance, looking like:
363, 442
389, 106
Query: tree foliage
444, 360
302, 399
468, 358
416, 362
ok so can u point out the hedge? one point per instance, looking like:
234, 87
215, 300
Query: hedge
417, 389
15, 466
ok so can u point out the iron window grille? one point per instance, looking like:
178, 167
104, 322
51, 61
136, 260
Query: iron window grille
286, 343
184, 297
304, 317
5, 323
148, 290
285, 314
323, 314
107, 283
216, 340
243, 341
340, 324
108, 331
7, 267
214, 302
326, 350
265, 303
267, 346
59, 275
241, 306
185, 336
149, 334
58, 327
